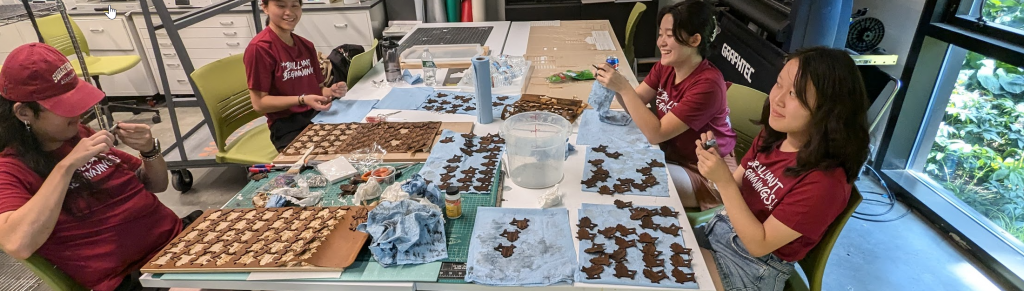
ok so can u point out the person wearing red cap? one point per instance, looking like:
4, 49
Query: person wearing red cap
285, 79
66, 194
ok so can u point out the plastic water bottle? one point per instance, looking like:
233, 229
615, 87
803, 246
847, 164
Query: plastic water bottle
429, 68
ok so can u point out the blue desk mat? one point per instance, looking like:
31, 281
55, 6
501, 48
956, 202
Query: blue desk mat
626, 167
343, 111
449, 100
594, 132
609, 216
404, 98
543, 253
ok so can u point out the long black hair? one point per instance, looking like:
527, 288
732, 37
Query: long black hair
692, 17
838, 127
29, 150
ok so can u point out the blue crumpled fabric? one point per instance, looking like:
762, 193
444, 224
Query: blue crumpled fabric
544, 254
417, 187
569, 149
405, 232
276, 201
593, 132
409, 78
601, 99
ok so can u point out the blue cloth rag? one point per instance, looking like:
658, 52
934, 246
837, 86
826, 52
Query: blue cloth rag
276, 201
418, 187
569, 149
626, 166
543, 255
405, 232
410, 79
441, 152
605, 215
404, 98
601, 99
594, 132
343, 111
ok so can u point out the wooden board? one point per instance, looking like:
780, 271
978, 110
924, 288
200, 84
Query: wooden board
460, 127
264, 234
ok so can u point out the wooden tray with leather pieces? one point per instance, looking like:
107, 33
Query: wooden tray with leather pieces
264, 240
329, 140
571, 109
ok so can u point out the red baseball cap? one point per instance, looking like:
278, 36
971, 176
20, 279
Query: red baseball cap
37, 72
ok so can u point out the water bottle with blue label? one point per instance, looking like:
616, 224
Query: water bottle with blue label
429, 68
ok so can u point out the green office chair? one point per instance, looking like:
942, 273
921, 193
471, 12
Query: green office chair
745, 106
225, 93
634, 20
361, 64
814, 263
54, 278
55, 34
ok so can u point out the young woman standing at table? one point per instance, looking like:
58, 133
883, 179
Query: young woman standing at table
690, 95
285, 80
796, 178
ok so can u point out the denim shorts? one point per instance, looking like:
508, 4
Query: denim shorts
739, 270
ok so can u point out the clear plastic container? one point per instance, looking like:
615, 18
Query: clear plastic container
449, 53
535, 143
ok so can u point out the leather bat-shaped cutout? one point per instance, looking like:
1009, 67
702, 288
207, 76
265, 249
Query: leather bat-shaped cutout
522, 224
622, 272
622, 204
586, 223
506, 251
512, 236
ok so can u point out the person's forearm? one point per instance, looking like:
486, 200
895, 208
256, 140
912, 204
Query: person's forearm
27, 228
648, 123
268, 104
746, 225
154, 174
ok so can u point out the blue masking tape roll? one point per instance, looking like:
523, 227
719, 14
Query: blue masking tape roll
482, 75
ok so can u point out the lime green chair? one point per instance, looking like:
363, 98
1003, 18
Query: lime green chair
745, 106
54, 278
634, 20
361, 64
55, 34
225, 93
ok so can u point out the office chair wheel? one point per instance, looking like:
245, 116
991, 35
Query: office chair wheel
156, 118
181, 180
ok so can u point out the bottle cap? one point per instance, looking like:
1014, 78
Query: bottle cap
451, 190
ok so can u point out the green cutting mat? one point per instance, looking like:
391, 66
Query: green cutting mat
331, 193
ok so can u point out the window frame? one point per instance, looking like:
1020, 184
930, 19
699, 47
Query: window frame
943, 33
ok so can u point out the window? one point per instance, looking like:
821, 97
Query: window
1002, 14
978, 151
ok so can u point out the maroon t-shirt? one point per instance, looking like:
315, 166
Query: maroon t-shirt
807, 203
279, 69
700, 102
99, 238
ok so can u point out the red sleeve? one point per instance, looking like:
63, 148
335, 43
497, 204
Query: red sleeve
814, 202
700, 103
14, 191
259, 66
654, 77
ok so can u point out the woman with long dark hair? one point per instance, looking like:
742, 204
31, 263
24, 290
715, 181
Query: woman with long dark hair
689, 93
65, 193
285, 79
796, 178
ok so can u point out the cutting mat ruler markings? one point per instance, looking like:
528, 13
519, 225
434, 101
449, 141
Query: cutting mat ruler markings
452, 271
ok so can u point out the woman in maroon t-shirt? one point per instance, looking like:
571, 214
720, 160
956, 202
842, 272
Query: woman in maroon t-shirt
66, 194
285, 80
796, 178
690, 96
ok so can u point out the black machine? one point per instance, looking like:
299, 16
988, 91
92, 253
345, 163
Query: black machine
756, 35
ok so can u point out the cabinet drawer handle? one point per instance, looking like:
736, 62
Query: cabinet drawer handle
161, 33
343, 25
229, 22
174, 65
233, 43
96, 29
230, 33
165, 44
168, 54
182, 81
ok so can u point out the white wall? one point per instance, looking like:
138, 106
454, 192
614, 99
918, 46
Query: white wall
900, 18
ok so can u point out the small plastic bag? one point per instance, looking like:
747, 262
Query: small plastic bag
551, 198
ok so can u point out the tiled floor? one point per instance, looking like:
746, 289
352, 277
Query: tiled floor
907, 254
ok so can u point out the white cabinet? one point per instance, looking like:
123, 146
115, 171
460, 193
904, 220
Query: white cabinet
326, 29
105, 34
12, 38
114, 38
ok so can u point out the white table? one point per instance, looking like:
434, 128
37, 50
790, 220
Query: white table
495, 41
516, 197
